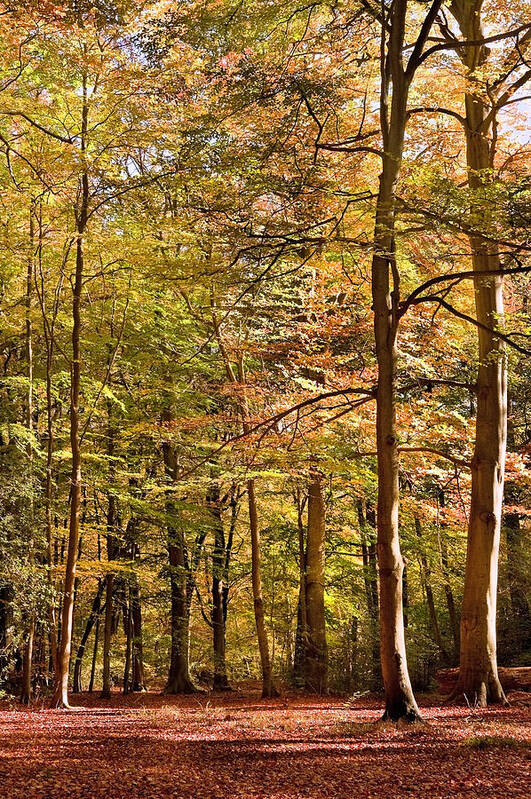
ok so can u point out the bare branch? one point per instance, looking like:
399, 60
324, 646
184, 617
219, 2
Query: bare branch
466, 318
458, 276
415, 58
474, 43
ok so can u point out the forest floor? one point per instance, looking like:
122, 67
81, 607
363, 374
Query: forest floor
148, 746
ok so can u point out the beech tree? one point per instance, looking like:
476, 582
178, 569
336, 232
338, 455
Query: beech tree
478, 673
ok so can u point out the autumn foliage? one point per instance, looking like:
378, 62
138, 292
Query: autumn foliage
264, 396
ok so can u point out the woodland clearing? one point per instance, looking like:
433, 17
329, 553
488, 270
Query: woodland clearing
234, 744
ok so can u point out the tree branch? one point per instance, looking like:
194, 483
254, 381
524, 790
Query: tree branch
466, 318
458, 276
57, 136
369, 394
415, 58
473, 43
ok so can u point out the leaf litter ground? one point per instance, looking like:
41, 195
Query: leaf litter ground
236, 745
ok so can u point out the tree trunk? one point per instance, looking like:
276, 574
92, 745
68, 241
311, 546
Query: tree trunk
268, 688
353, 654
221, 682
27, 660
478, 670
107, 636
302, 625
48, 493
4, 600
138, 681
450, 603
425, 576
405, 596
316, 647
94, 614
515, 533
179, 680
399, 699
512, 679
367, 522
94, 655
519, 605
60, 696
110, 580
129, 635
376, 672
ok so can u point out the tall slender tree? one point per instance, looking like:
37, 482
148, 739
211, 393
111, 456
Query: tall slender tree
60, 695
478, 670
396, 80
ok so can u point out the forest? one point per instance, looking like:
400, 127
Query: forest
265, 398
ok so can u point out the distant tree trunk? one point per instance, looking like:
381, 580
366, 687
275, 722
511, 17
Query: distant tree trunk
478, 669
316, 669
235, 495
4, 600
48, 329
425, 576
52, 621
94, 655
80, 542
353, 654
221, 682
450, 603
94, 613
302, 624
519, 605
129, 635
179, 680
268, 687
138, 680
367, 521
405, 596
114, 548
60, 696
220, 571
107, 635
515, 533
110, 581
27, 658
